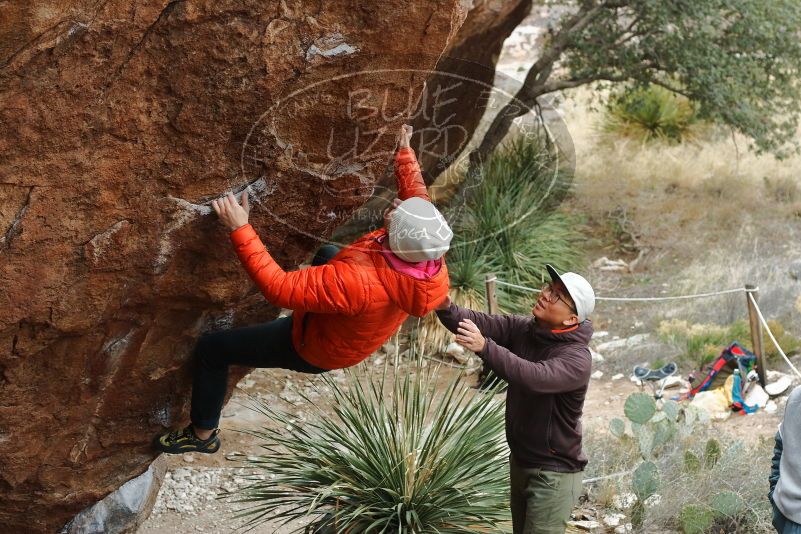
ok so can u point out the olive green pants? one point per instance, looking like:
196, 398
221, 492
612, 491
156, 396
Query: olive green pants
542, 500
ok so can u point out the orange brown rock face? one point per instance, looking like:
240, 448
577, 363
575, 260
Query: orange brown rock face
121, 121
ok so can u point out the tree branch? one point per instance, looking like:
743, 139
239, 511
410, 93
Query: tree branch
559, 85
537, 74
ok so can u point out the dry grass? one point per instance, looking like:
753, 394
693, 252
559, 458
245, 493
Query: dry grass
709, 215
684, 186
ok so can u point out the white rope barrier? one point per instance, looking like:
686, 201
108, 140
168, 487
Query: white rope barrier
454, 365
636, 299
770, 334
605, 477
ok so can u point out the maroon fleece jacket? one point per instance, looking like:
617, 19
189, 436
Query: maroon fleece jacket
548, 372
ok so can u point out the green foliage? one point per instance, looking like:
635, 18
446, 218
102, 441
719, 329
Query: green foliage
703, 342
787, 341
617, 427
694, 467
651, 113
638, 514
696, 518
692, 463
467, 266
639, 408
671, 409
664, 431
644, 483
739, 60
652, 429
727, 504
645, 480
692, 415
646, 440
711, 453
412, 459
505, 222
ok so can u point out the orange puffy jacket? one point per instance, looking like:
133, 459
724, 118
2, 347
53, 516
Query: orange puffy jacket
346, 309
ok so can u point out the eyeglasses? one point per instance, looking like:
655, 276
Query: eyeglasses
551, 294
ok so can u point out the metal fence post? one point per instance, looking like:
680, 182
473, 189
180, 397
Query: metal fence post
757, 341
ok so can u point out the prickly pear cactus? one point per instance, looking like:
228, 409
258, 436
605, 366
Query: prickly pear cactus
696, 519
617, 427
639, 408
664, 431
727, 504
645, 439
645, 481
711, 453
671, 409
658, 416
638, 514
692, 463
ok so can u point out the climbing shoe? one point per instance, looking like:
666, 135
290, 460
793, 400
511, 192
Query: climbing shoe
181, 441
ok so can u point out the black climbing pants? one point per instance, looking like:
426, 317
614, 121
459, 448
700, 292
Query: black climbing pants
267, 345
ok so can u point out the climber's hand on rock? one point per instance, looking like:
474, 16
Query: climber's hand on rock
389, 211
230, 212
405, 135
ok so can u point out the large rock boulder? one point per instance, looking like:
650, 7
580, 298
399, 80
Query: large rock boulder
121, 120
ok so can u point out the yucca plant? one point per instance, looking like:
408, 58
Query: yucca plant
650, 113
417, 461
505, 223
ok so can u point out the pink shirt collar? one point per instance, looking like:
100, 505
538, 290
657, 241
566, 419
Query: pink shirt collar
420, 270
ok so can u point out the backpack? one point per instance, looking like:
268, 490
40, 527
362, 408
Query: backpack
714, 374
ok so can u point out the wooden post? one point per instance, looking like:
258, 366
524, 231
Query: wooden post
492, 298
486, 378
757, 341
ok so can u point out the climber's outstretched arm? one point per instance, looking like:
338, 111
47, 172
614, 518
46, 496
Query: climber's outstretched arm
316, 289
231, 214
407, 170
330, 288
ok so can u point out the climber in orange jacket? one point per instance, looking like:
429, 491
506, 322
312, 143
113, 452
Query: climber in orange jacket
345, 306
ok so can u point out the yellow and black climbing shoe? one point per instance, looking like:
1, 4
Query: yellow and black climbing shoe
181, 441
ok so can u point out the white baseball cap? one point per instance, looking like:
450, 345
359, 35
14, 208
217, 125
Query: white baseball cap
579, 290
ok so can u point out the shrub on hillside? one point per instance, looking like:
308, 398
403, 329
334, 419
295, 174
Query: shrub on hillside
651, 113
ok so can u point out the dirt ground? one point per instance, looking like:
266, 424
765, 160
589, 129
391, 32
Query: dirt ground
193, 508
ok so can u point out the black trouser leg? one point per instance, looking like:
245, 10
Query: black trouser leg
323, 254
265, 345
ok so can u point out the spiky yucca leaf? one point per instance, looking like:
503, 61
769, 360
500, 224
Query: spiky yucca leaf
417, 461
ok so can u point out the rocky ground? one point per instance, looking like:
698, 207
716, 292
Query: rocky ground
189, 498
